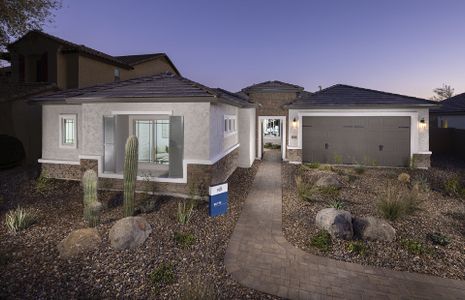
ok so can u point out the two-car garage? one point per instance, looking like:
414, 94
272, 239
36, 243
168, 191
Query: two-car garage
368, 140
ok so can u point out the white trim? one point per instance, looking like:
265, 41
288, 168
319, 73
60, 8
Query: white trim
414, 121
424, 152
62, 117
295, 162
58, 162
283, 135
293, 148
142, 112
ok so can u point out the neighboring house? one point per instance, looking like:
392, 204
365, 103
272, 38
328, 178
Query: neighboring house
450, 113
189, 133
42, 63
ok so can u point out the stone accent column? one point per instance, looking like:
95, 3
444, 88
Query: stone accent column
421, 161
294, 155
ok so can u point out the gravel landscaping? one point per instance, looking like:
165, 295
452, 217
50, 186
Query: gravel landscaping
176, 261
440, 216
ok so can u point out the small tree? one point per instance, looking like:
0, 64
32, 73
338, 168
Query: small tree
443, 93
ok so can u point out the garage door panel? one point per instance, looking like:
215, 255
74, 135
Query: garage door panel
364, 140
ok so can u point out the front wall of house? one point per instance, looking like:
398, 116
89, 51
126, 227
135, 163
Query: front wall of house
152, 67
247, 136
51, 132
92, 72
221, 142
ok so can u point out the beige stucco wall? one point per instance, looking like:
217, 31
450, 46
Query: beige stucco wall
420, 135
220, 142
51, 132
92, 72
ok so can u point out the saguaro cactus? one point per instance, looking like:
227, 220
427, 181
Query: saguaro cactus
91, 206
130, 174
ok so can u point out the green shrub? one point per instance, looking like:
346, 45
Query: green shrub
337, 204
337, 159
20, 219
438, 239
162, 275
198, 289
267, 145
43, 185
454, 188
184, 240
415, 247
421, 184
321, 240
359, 169
313, 165
404, 178
357, 248
185, 211
305, 190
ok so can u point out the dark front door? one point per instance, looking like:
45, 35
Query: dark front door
383, 141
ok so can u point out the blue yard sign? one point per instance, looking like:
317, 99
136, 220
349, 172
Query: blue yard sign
218, 195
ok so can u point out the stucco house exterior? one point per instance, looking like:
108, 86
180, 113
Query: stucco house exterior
192, 134
450, 113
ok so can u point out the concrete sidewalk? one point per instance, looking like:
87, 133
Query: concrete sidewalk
259, 257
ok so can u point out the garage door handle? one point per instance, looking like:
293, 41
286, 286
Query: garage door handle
326, 146
381, 147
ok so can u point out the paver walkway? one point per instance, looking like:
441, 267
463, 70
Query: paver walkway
259, 257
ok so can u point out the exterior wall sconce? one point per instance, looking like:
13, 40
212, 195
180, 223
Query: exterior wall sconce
423, 123
294, 123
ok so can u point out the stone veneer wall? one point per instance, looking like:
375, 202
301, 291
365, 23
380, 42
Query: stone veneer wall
201, 175
421, 161
294, 155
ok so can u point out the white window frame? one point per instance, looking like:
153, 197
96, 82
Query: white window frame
61, 137
229, 125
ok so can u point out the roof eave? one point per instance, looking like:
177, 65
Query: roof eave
335, 106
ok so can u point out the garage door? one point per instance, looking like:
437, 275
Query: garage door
383, 141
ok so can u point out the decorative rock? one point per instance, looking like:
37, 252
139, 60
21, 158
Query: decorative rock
79, 241
129, 233
374, 229
337, 222
330, 180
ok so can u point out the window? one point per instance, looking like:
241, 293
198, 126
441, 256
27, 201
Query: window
117, 75
229, 124
153, 136
272, 128
68, 131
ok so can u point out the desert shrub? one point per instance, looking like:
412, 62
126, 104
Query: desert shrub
421, 184
321, 240
415, 247
359, 169
185, 211
404, 178
162, 275
357, 248
198, 289
312, 165
438, 239
43, 185
390, 204
337, 204
268, 145
329, 192
337, 159
305, 190
20, 219
411, 201
454, 188
184, 240
325, 168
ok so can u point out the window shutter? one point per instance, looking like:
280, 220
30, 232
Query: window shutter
109, 143
176, 149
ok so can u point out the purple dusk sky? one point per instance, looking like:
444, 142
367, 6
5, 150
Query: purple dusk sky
406, 47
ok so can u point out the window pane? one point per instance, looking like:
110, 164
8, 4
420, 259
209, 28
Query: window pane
144, 135
163, 142
225, 125
69, 128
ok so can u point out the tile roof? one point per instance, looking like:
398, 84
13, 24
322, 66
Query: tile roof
341, 95
155, 88
455, 104
15, 90
272, 86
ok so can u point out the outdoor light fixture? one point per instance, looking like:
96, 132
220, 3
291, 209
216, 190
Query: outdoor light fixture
294, 123
422, 123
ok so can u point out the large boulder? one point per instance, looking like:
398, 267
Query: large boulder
79, 241
129, 233
336, 221
374, 229
329, 180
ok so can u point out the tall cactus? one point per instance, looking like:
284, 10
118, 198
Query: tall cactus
91, 206
130, 174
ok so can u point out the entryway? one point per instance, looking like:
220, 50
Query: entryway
271, 135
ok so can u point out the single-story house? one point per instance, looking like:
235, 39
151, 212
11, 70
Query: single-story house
192, 134
450, 113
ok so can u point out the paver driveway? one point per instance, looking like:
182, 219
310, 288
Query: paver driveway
259, 257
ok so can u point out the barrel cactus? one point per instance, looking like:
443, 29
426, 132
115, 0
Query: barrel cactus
130, 174
92, 207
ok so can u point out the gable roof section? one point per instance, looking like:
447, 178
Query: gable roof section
341, 95
166, 87
452, 105
273, 86
127, 61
